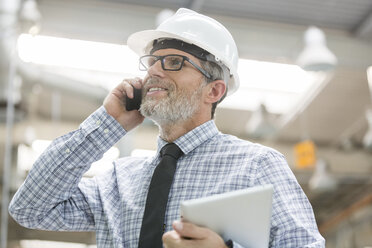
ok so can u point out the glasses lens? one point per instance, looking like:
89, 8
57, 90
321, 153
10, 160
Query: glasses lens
173, 62
146, 62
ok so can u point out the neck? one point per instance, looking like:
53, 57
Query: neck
170, 131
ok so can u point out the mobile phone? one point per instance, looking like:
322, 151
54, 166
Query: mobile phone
135, 102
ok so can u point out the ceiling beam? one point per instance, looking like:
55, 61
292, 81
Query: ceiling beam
196, 5
33, 73
364, 28
345, 214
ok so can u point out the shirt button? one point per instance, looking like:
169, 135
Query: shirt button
98, 122
106, 130
67, 150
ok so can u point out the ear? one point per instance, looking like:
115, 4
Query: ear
216, 90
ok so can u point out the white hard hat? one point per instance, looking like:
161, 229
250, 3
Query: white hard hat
197, 29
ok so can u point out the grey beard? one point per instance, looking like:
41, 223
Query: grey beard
176, 107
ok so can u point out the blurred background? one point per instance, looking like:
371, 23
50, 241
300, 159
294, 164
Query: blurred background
306, 85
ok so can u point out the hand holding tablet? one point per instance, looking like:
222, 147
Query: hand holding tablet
242, 215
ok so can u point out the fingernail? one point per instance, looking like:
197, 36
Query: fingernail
178, 225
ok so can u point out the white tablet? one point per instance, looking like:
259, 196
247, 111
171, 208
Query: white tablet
242, 216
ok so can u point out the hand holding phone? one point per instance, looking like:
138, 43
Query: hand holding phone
135, 102
115, 102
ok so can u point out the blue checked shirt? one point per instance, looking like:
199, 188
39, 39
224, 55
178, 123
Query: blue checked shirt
54, 195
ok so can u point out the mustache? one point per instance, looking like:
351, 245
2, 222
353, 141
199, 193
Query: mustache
155, 81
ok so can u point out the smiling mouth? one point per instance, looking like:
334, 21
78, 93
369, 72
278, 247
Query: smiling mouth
153, 89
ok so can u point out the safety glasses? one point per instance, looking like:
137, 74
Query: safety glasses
170, 62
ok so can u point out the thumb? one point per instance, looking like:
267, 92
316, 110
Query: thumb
189, 230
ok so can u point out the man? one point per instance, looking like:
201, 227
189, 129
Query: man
191, 61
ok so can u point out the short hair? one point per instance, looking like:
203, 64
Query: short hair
217, 73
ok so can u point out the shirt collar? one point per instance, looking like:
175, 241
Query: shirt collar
194, 138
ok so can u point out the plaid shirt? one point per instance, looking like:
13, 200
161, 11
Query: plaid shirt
54, 195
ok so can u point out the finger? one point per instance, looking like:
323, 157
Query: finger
137, 82
173, 239
170, 236
186, 229
128, 84
127, 87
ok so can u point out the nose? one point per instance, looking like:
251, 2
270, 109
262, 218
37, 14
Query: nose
156, 70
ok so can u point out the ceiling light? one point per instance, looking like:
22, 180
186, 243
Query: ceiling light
367, 139
163, 15
280, 87
78, 54
316, 56
322, 181
30, 17
261, 124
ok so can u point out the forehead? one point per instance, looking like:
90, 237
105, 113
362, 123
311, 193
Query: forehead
162, 52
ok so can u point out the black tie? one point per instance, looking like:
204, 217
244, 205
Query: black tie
157, 197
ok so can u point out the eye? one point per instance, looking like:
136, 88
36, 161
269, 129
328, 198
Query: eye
174, 62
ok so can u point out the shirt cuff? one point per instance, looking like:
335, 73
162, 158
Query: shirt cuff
103, 128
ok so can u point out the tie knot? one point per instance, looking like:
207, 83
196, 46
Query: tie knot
172, 150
